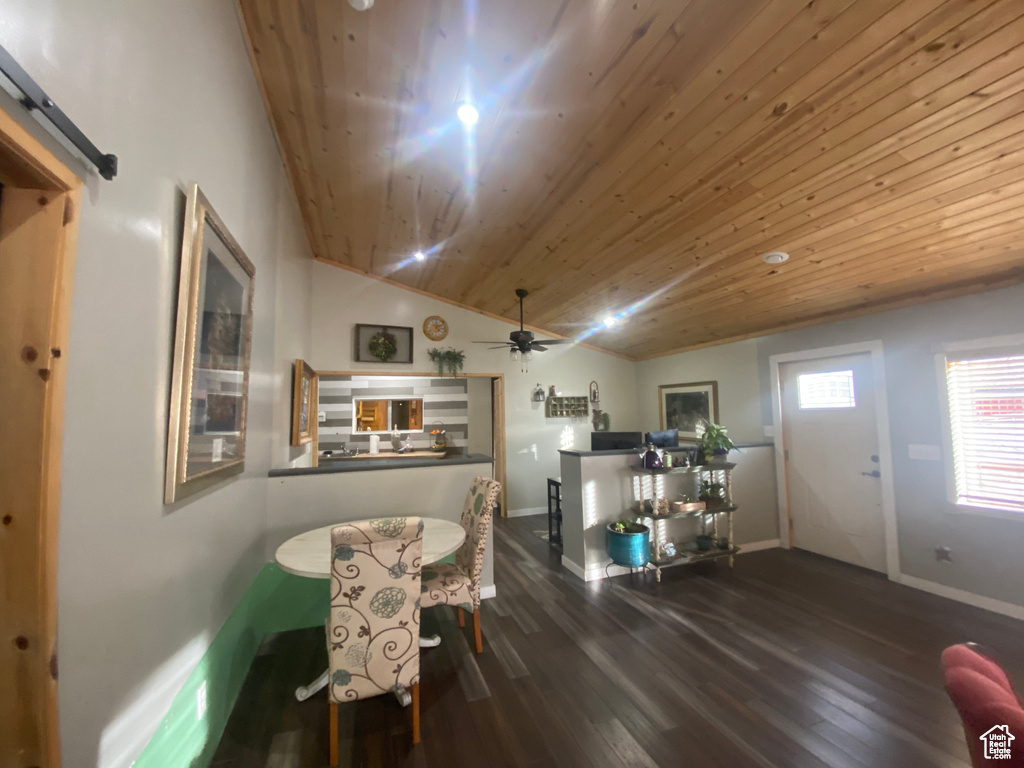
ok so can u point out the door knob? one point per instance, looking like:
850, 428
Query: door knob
874, 473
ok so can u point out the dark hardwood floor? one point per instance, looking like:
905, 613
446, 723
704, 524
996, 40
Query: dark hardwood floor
790, 660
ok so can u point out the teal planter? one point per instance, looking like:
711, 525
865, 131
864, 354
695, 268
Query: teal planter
630, 550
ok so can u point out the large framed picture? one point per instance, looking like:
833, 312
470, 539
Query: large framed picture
688, 407
383, 344
304, 402
212, 349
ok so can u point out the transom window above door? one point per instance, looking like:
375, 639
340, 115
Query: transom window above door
826, 389
385, 414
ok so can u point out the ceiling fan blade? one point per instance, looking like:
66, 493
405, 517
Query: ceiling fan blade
503, 346
549, 342
492, 342
538, 348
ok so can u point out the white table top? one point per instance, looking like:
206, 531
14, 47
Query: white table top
309, 553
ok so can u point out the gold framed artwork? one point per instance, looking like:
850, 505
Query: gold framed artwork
304, 402
687, 407
212, 351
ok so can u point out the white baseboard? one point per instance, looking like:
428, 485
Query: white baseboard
486, 592
757, 546
962, 596
602, 572
574, 569
599, 572
526, 511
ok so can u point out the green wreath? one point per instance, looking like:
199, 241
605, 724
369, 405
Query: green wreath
383, 346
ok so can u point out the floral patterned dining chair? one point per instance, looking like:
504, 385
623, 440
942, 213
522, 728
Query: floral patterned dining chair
373, 629
458, 583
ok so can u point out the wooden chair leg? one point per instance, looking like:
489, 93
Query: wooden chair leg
415, 690
476, 630
462, 617
334, 733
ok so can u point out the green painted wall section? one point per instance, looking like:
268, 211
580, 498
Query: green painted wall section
274, 602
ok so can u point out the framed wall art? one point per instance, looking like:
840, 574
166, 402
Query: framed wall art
687, 407
212, 350
304, 402
383, 344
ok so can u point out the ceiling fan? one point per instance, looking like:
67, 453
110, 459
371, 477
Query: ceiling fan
521, 342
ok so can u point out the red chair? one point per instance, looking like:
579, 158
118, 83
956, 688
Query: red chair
991, 712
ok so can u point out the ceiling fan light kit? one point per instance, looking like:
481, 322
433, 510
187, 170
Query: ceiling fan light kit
521, 344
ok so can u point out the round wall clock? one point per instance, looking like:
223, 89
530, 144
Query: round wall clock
435, 328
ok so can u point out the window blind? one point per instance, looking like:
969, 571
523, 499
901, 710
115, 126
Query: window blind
986, 410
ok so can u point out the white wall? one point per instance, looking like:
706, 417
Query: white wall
342, 298
733, 366
143, 587
986, 550
294, 319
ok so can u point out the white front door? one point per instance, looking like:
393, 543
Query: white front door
830, 438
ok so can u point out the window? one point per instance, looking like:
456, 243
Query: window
828, 389
383, 415
986, 424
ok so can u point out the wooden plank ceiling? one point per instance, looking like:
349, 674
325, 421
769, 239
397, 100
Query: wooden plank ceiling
639, 157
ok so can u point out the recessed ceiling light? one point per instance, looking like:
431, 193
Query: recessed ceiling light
468, 114
419, 256
775, 257
609, 321
361, 5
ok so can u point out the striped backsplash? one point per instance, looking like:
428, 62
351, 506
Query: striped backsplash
444, 400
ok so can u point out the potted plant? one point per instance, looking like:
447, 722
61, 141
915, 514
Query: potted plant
451, 359
629, 543
715, 443
712, 494
705, 541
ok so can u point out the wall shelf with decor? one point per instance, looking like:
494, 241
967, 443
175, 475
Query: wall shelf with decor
713, 483
557, 407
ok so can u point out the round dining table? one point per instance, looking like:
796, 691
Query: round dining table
309, 555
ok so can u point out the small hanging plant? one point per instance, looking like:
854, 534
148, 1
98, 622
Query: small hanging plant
383, 346
449, 359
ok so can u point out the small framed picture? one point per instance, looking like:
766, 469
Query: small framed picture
304, 402
688, 407
383, 344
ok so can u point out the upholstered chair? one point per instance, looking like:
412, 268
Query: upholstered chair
373, 630
458, 583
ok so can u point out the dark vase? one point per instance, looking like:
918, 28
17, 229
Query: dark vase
651, 459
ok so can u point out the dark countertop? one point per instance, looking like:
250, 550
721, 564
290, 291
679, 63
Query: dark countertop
371, 465
636, 451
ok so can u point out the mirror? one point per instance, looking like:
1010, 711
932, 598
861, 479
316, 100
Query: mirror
384, 415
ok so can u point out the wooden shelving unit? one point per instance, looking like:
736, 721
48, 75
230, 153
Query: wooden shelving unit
558, 407
713, 473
